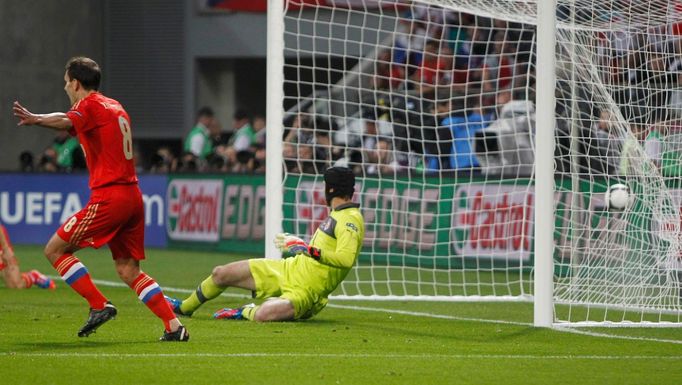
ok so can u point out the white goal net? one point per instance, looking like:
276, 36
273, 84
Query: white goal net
432, 104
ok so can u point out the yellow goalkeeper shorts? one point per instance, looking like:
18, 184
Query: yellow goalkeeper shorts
279, 278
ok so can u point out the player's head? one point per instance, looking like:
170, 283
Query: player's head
338, 182
205, 115
205, 112
240, 118
82, 73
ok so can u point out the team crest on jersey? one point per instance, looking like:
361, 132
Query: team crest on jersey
352, 226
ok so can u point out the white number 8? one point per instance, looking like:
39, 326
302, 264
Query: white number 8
69, 225
127, 137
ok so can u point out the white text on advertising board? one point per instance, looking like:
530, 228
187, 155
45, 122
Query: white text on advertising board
493, 221
47, 208
194, 209
400, 219
244, 212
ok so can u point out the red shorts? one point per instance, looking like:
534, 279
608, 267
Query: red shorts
3, 263
114, 216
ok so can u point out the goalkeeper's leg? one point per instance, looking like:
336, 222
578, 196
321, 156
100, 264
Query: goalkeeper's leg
235, 274
274, 309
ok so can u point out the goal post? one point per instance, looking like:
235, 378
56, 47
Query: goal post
484, 134
274, 117
543, 314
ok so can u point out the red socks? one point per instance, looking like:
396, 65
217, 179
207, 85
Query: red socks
76, 275
151, 295
28, 282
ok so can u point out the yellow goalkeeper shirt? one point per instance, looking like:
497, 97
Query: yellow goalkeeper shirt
339, 239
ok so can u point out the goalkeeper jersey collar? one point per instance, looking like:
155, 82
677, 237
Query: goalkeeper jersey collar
346, 206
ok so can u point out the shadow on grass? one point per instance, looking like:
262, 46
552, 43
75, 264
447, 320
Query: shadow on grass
68, 346
495, 334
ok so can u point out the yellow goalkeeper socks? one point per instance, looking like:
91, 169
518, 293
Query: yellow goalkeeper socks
249, 312
207, 290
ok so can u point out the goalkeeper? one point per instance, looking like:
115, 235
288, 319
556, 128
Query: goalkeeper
296, 287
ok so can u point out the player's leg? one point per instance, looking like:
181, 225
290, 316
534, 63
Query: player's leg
127, 249
235, 274
90, 227
60, 254
9, 270
12, 275
40, 280
274, 309
268, 282
13, 278
286, 302
9, 265
150, 293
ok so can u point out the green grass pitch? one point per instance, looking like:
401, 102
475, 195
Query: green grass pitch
350, 342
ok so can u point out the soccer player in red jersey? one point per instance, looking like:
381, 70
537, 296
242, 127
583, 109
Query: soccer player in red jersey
9, 268
114, 214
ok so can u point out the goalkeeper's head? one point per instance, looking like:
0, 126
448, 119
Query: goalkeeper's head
338, 182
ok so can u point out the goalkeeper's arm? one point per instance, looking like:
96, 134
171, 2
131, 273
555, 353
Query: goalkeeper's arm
347, 244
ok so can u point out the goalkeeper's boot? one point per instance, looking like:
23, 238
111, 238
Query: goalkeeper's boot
227, 313
178, 335
97, 318
175, 305
41, 280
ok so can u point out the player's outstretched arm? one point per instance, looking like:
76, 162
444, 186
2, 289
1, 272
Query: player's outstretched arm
56, 120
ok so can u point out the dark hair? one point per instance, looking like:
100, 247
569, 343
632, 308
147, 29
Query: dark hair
244, 156
323, 125
241, 114
157, 160
339, 182
205, 111
85, 70
26, 161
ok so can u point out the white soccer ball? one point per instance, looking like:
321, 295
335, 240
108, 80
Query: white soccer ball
618, 197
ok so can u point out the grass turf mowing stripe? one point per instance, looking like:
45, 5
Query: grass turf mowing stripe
429, 315
349, 355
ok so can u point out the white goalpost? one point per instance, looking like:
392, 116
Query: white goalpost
543, 311
484, 135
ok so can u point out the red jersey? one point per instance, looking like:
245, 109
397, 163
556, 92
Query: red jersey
103, 129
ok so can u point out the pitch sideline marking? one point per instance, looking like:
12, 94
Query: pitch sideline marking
345, 355
430, 315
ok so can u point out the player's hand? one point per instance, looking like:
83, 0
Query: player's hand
290, 244
25, 116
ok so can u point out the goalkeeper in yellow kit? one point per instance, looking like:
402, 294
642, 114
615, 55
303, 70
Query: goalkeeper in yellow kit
295, 287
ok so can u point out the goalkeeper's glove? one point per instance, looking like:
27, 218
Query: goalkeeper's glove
290, 245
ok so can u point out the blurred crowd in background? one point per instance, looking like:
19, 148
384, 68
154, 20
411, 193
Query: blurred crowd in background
450, 92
